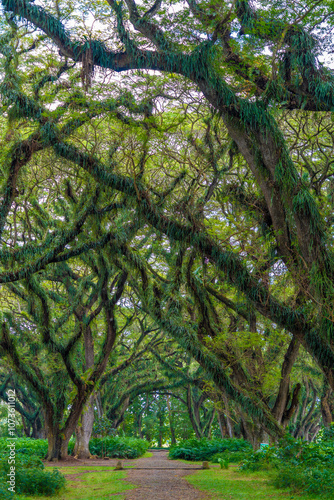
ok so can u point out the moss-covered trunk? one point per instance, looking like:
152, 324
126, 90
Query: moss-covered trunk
57, 444
84, 430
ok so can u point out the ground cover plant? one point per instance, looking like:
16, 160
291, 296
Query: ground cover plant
90, 483
205, 449
302, 466
27, 446
230, 484
231, 456
31, 477
118, 447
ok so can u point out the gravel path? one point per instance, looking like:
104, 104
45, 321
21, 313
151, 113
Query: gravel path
158, 478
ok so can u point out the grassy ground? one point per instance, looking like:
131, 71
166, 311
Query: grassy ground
102, 483
233, 485
99, 483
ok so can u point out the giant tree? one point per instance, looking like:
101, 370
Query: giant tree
284, 271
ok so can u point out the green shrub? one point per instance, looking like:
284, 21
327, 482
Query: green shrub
118, 447
313, 481
31, 478
326, 433
39, 481
303, 453
223, 463
265, 459
27, 446
231, 456
22, 461
204, 449
302, 466
115, 447
4, 493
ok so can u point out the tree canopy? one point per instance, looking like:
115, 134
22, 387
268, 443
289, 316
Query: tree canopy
171, 162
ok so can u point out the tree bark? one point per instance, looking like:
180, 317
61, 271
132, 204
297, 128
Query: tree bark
222, 423
190, 406
283, 392
84, 429
326, 410
229, 422
171, 421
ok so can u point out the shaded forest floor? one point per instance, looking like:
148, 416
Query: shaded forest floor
150, 477
154, 477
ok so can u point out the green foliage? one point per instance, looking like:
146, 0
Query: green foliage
22, 461
311, 480
327, 433
39, 482
102, 426
304, 467
223, 463
204, 449
295, 216
118, 447
265, 459
4, 493
27, 446
31, 477
231, 456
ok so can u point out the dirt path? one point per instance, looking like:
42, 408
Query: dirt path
156, 477
161, 479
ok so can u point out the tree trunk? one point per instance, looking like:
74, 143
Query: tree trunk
190, 406
84, 430
209, 424
54, 445
326, 411
57, 443
26, 427
229, 422
38, 430
222, 423
171, 421
116, 415
161, 423
252, 432
282, 398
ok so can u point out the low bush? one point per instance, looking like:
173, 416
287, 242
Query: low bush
118, 447
4, 493
205, 449
31, 478
39, 481
26, 446
302, 466
232, 456
223, 463
265, 459
314, 481
22, 461
326, 434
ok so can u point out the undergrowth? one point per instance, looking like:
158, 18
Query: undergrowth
205, 449
299, 465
